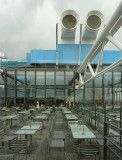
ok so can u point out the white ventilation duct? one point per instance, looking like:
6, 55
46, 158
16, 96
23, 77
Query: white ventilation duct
94, 21
69, 22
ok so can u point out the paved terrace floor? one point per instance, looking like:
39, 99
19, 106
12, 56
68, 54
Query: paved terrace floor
40, 153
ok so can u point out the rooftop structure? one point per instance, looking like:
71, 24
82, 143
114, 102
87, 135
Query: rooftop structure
75, 93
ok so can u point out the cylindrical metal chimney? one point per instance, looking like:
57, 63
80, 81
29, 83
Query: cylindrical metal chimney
94, 20
69, 22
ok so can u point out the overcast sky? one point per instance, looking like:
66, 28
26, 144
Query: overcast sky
30, 24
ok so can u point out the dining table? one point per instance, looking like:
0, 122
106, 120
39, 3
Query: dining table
81, 132
32, 127
46, 112
42, 117
8, 118
71, 117
27, 132
67, 112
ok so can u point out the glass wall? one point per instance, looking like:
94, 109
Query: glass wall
1, 92
21, 91
57, 85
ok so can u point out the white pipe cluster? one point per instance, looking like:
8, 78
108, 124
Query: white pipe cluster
70, 20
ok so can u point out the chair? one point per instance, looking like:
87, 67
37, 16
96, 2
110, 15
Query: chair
17, 121
57, 144
59, 132
4, 138
114, 136
58, 125
101, 128
38, 123
19, 146
7, 156
88, 151
72, 122
56, 134
59, 114
55, 147
7, 130
2, 124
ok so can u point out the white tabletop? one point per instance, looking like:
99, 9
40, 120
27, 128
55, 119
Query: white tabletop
35, 127
71, 117
24, 112
44, 117
26, 132
46, 112
67, 112
81, 135
79, 132
113, 114
8, 117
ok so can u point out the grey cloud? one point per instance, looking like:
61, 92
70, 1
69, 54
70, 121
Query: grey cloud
30, 24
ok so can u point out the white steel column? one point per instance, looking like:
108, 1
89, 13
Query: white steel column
107, 35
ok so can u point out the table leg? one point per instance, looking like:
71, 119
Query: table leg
30, 140
26, 137
90, 140
10, 123
42, 124
32, 146
7, 121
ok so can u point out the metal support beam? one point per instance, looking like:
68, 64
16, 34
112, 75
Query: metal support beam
80, 44
55, 85
115, 42
90, 68
35, 90
121, 126
64, 86
2, 76
84, 96
103, 89
121, 87
56, 43
95, 116
25, 93
81, 78
105, 141
94, 91
15, 88
5, 88
113, 92
45, 89
12, 77
75, 76
100, 59
74, 91
119, 62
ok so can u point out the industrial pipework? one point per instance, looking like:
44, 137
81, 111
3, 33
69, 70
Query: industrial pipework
94, 21
69, 22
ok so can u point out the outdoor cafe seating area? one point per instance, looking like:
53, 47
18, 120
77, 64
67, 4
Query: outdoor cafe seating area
48, 135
